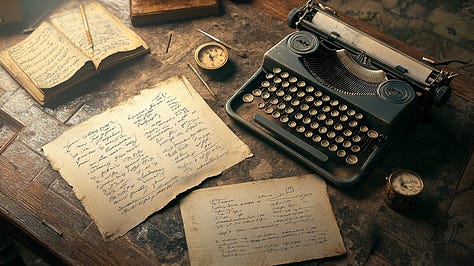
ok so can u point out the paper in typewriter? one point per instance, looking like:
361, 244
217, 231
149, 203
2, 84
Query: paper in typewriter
131, 160
269, 222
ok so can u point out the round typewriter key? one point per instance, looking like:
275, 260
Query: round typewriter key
334, 113
338, 127
261, 105
304, 107
352, 159
300, 94
265, 84
280, 93
295, 102
353, 123
292, 124
321, 117
289, 110
284, 119
257, 92
298, 116
309, 98
314, 125
347, 133
276, 70
272, 89
312, 112
309, 89
265, 95
301, 83
324, 143
323, 130
359, 116
269, 75
248, 98
318, 103
274, 101
333, 147
269, 110
293, 79
356, 138
287, 97
325, 98
334, 102
341, 153
343, 107
300, 129
308, 134
372, 134
318, 94
284, 75
317, 138
355, 148
329, 122
339, 139
364, 129
351, 112
326, 108
343, 118
331, 134
285, 84
281, 106
276, 114
277, 80
346, 144
306, 120
293, 89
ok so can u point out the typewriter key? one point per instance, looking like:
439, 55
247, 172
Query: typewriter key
300, 129
312, 112
317, 138
334, 113
329, 122
292, 124
269, 110
309, 89
308, 134
272, 89
346, 144
321, 117
301, 84
269, 76
285, 84
338, 127
280, 93
334, 102
353, 123
281, 106
289, 110
248, 98
347, 133
257, 92
341, 153
284, 75
298, 116
318, 94
284, 119
372, 134
342, 107
274, 101
351, 112
356, 138
352, 159
325, 98
277, 80
276, 114
359, 116
318, 103
265, 95
295, 102
293, 89
323, 130
343, 118
265, 84
324, 143
304, 107
333, 147
331, 134
306, 120
355, 148
326, 109
339, 139
309, 98
364, 129
276, 70
314, 125
292, 79
287, 97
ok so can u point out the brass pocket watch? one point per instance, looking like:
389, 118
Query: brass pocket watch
211, 56
402, 189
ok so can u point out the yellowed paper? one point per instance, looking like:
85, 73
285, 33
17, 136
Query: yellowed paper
47, 57
109, 35
267, 222
133, 159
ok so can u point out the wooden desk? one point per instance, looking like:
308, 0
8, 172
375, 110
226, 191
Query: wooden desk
41, 209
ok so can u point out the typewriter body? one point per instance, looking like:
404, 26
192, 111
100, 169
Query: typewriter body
333, 97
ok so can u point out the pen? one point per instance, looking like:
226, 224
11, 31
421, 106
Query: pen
223, 43
86, 26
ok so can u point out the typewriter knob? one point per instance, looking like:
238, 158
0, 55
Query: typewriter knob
396, 91
292, 18
303, 42
441, 95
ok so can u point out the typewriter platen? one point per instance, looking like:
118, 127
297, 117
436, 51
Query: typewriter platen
333, 97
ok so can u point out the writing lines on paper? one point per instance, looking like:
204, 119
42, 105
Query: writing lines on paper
133, 159
266, 222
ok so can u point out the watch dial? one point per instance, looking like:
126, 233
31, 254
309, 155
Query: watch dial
406, 183
212, 56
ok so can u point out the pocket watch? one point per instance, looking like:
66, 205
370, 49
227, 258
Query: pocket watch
211, 56
402, 189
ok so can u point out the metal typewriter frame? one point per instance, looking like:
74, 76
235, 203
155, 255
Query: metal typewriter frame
434, 90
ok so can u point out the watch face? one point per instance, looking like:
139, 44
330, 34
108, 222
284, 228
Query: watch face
211, 56
406, 183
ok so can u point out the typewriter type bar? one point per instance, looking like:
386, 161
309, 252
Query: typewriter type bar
332, 103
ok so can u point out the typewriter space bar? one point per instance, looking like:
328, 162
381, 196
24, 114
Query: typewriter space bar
287, 136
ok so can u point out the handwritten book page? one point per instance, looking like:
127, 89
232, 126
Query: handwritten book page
133, 159
109, 35
267, 222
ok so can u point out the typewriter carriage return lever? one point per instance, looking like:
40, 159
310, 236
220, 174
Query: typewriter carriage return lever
333, 97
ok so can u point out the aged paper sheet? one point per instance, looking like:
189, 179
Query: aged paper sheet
267, 222
133, 159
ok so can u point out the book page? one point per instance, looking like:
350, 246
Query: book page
269, 222
109, 35
47, 57
131, 160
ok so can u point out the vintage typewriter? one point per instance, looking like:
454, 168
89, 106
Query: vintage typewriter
333, 97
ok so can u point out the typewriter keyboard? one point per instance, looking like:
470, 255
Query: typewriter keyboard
323, 127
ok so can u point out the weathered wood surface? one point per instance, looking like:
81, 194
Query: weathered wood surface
39, 204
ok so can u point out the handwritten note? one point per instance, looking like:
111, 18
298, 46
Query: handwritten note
131, 160
267, 222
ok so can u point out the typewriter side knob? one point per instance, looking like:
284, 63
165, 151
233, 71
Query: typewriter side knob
396, 91
303, 42
292, 18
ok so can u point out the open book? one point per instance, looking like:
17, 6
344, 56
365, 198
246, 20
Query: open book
57, 55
